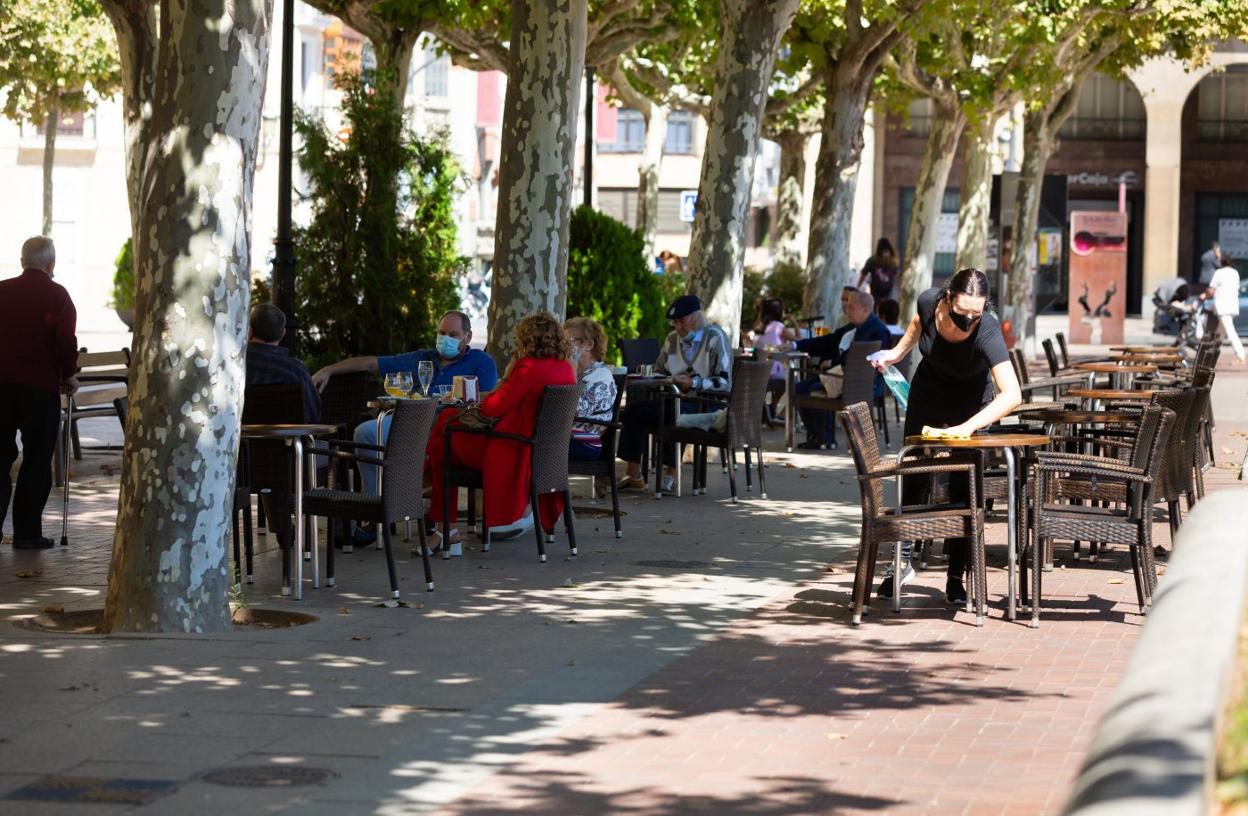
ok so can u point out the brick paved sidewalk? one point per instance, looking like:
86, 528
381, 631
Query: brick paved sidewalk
793, 711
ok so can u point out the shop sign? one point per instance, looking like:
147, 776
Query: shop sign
1129, 178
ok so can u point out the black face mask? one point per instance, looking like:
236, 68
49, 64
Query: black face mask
963, 322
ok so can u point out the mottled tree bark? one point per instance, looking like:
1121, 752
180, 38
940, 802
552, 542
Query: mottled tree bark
535, 192
750, 33
1039, 142
789, 249
836, 182
929, 192
973, 210
192, 260
50, 124
134, 22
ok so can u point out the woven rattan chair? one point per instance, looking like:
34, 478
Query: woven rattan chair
1061, 345
743, 430
604, 466
264, 466
638, 352
548, 460
882, 524
1130, 522
859, 386
1050, 355
403, 464
1057, 385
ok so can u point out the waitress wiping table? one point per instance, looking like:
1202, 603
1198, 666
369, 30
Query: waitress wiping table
965, 382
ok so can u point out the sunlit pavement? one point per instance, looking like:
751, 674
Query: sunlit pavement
703, 663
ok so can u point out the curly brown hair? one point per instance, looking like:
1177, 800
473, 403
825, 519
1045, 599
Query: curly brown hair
540, 335
589, 330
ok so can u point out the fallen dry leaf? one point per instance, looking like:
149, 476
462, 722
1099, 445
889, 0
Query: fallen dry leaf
834, 736
789, 465
361, 637
667, 532
342, 610
831, 570
1227, 450
29, 573
54, 610
1113, 581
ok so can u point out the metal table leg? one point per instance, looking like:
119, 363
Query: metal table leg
1011, 550
789, 420
297, 442
310, 464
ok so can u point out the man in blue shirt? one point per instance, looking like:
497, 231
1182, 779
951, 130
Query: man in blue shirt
451, 357
268, 363
864, 326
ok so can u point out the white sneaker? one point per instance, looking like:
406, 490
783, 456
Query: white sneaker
454, 550
517, 528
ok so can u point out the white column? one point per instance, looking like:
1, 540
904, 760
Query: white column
1163, 152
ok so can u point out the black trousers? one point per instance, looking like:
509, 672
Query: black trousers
36, 415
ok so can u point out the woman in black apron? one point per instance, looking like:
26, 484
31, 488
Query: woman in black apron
965, 382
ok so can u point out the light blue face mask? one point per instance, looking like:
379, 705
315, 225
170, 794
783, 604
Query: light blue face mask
695, 336
448, 347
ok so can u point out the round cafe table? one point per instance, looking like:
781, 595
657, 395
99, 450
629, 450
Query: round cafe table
293, 435
1119, 374
1011, 445
1142, 349
792, 362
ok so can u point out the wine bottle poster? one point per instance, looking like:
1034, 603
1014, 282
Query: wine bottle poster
1098, 276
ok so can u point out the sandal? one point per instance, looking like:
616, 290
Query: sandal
456, 548
630, 484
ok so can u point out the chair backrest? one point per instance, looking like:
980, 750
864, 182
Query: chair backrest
1155, 427
1170, 474
345, 398
1061, 345
1202, 376
864, 446
1020, 366
1050, 354
551, 432
266, 463
746, 400
610, 436
405, 458
104, 362
639, 352
859, 374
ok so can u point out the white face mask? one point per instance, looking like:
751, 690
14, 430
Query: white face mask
577, 352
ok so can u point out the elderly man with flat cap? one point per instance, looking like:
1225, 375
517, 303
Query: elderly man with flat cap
698, 357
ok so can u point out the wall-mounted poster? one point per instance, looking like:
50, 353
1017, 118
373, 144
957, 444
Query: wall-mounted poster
1233, 237
1098, 276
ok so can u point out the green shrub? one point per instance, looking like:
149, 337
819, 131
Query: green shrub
785, 282
610, 281
123, 278
377, 264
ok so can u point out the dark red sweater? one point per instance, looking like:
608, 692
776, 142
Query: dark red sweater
38, 346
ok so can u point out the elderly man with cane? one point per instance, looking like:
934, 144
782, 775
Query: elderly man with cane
37, 325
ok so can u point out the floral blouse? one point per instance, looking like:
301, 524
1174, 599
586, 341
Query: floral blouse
596, 402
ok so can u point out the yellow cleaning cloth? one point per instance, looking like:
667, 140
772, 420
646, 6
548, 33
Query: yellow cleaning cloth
941, 433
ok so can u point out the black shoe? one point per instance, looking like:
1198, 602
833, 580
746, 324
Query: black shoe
363, 536
955, 592
33, 543
810, 444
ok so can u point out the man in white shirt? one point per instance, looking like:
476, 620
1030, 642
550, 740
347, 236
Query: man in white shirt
1224, 289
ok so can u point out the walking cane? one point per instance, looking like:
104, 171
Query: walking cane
66, 447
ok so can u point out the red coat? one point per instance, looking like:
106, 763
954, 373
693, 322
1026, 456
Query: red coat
515, 402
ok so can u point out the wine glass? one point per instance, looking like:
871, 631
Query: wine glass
405, 383
393, 385
425, 372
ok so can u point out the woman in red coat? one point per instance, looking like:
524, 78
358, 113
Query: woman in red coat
541, 360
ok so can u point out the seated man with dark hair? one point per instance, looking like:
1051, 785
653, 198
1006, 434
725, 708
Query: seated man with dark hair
269, 363
866, 327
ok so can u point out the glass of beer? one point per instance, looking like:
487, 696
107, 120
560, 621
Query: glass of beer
393, 385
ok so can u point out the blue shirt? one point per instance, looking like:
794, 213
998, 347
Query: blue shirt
474, 361
273, 365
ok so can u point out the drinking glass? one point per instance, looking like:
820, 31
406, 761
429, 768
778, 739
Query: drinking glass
392, 385
425, 372
406, 383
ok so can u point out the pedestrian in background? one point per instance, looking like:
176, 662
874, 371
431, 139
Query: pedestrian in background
40, 358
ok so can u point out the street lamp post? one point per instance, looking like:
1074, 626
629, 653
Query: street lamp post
284, 249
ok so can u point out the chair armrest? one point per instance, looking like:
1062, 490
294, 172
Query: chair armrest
1056, 461
450, 429
600, 422
347, 443
918, 468
348, 457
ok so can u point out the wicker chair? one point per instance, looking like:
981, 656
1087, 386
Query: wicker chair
604, 466
1061, 344
1058, 385
859, 385
1050, 354
639, 352
1129, 523
882, 524
264, 468
403, 463
744, 402
548, 460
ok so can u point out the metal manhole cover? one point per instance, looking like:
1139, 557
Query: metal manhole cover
268, 776
668, 564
